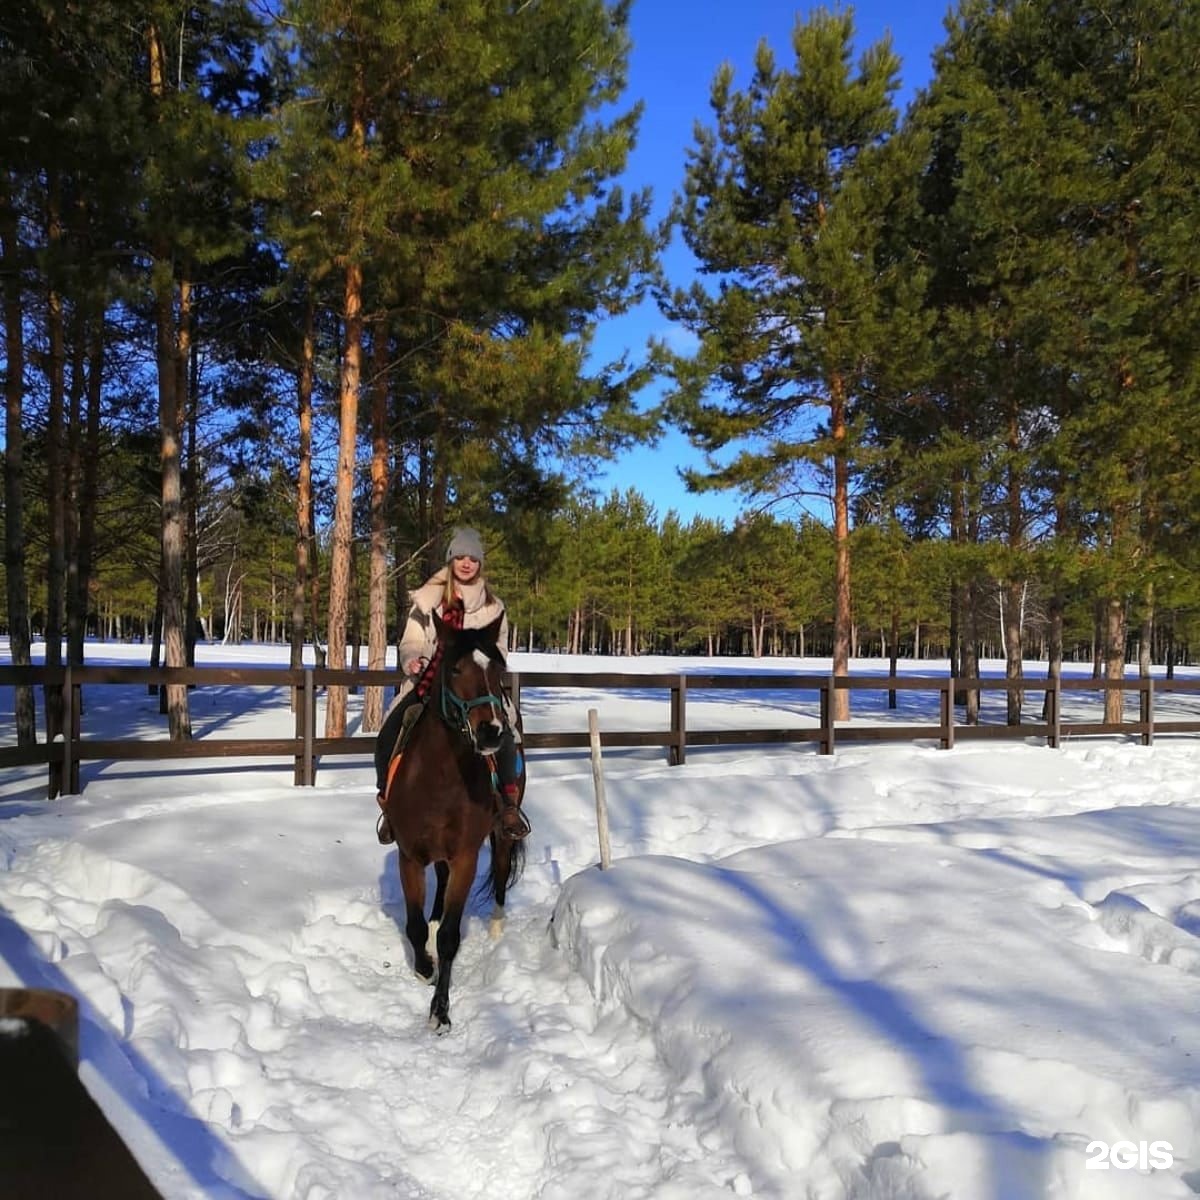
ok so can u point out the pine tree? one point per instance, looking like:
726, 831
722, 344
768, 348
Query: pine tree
785, 200
458, 184
1068, 204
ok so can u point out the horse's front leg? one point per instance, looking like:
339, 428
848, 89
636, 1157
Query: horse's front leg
412, 881
462, 875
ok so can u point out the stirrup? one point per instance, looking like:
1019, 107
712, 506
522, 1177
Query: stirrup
383, 831
512, 823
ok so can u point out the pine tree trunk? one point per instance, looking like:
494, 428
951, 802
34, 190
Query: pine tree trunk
841, 538
424, 490
156, 624
175, 650
1055, 647
372, 715
76, 599
89, 481
355, 620
55, 487
894, 656
1147, 638
1114, 700
343, 521
189, 394
17, 593
970, 648
304, 389
166, 349
1013, 649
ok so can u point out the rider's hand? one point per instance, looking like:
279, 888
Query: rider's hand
415, 666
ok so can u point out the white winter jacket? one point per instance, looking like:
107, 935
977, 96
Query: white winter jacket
481, 606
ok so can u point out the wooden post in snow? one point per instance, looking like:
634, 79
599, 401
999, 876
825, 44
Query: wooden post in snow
598, 780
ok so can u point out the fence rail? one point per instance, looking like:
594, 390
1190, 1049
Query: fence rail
63, 755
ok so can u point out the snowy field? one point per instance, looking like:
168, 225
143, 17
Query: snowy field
896, 973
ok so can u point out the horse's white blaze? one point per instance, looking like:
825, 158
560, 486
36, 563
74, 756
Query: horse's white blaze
481, 658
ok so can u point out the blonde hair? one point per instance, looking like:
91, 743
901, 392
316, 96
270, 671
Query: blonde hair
449, 589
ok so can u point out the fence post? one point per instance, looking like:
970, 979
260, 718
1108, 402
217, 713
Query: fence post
1054, 695
826, 742
677, 750
946, 698
598, 782
1147, 713
514, 688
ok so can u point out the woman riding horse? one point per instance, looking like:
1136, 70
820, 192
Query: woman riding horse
439, 801
459, 595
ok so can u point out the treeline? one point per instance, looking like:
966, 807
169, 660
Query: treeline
362, 246
289, 289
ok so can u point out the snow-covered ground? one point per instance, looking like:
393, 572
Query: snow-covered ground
896, 972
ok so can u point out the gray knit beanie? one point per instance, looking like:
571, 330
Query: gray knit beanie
465, 543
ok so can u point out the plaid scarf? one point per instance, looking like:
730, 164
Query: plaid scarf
452, 616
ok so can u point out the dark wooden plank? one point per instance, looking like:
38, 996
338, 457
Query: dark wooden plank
1028, 684
751, 683
1101, 685
972, 733
889, 683
751, 737
889, 733
619, 737
1087, 728
141, 750
326, 676
29, 756
596, 679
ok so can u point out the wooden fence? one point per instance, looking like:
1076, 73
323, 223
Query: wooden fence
64, 755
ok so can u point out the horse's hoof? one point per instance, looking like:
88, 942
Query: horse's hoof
439, 1025
426, 974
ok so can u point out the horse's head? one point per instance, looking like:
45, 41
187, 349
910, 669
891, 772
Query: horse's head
471, 701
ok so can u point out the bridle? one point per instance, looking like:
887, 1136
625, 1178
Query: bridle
456, 712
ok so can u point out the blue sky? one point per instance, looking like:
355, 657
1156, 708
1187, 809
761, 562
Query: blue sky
677, 50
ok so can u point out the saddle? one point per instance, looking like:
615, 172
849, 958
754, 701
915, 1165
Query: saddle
383, 831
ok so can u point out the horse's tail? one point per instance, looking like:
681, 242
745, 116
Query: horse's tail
507, 866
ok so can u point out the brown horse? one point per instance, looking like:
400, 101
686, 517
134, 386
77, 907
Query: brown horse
441, 803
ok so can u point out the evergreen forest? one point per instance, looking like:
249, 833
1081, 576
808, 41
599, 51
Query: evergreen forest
290, 288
